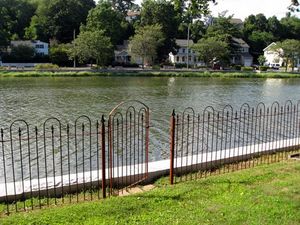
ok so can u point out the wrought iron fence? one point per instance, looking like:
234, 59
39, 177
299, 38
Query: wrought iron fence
50, 163
71, 162
205, 142
60, 162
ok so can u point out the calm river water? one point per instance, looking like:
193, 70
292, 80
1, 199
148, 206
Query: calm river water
36, 99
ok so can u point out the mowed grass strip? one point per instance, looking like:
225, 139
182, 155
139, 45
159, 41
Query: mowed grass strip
267, 194
221, 74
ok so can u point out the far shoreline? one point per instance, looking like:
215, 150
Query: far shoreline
146, 73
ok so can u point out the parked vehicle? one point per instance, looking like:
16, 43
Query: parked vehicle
275, 66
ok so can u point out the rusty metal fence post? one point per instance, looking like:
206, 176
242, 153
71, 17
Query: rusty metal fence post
103, 156
172, 147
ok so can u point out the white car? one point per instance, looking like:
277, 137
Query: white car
275, 66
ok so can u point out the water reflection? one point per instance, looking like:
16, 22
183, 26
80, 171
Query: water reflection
36, 99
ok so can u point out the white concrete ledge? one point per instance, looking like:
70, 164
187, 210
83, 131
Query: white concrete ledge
125, 175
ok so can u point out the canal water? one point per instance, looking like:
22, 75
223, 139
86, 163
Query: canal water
36, 99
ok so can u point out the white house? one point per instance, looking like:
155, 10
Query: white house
241, 55
273, 57
185, 53
41, 48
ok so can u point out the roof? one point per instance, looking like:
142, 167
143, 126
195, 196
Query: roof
27, 42
240, 42
270, 45
183, 42
133, 13
121, 53
236, 21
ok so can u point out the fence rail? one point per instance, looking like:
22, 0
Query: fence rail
211, 139
61, 162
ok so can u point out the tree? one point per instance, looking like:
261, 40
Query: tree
212, 50
275, 27
223, 29
15, 15
291, 27
162, 12
145, 43
258, 32
105, 18
59, 54
93, 46
262, 60
192, 9
259, 40
57, 19
22, 53
289, 50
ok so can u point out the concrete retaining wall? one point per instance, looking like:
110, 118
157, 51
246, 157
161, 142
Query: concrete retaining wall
70, 183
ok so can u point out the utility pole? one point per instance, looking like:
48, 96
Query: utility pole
188, 41
74, 36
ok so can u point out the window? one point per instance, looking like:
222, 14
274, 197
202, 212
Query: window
190, 58
183, 59
177, 59
39, 46
195, 59
183, 50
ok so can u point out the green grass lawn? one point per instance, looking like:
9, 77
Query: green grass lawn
267, 194
221, 74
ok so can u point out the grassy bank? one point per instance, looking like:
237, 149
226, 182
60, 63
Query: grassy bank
267, 194
224, 74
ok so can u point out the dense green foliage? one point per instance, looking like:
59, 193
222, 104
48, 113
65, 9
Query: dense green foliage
161, 12
112, 22
211, 50
259, 31
92, 46
145, 43
55, 21
46, 66
59, 54
267, 194
15, 16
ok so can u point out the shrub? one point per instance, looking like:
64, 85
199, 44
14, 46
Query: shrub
22, 53
247, 68
201, 67
156, 67
125, 65
47, 66
59, 55
2, 68
180, 65
166, 63
263, 68
237, 67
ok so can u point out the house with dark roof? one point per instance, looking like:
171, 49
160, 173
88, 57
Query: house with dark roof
185, 54
241, 55
122, 54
